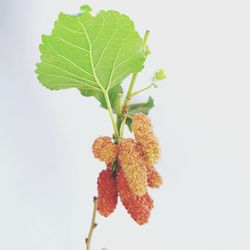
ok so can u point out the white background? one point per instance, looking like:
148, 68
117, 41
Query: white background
48, 174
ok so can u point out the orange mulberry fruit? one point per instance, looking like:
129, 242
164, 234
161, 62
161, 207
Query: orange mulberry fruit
104, 149
107, 192
133, 166
139, 207
142, 128
154, 178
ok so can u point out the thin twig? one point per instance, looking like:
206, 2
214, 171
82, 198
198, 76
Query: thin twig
142, 90
92, 226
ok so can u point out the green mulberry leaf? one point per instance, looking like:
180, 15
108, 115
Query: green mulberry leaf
144, 108
91, 53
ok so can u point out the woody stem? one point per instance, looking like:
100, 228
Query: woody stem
92, 226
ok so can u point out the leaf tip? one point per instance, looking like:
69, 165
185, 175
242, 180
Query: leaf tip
85, 8
151, 102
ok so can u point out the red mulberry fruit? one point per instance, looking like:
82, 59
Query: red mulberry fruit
107, 193
139, 207
154, 178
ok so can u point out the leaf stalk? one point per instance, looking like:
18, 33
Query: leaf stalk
118, 111
116, 133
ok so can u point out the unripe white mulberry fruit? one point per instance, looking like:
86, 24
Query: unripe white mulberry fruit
104, 149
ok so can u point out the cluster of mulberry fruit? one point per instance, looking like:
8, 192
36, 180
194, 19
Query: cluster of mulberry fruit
129, 171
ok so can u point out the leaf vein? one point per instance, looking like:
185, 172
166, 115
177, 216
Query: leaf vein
66, 71
90, 52
114, 64
107, 42
73, 45
65, 58
98, 32
72, 30
68, 78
